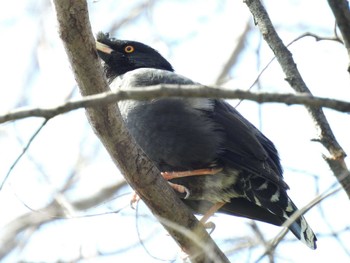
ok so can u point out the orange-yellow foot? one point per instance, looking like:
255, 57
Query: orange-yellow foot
179, 174
135, 198
212, 210
198, 172
181, 189
211, 226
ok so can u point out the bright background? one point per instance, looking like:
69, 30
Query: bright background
197, 37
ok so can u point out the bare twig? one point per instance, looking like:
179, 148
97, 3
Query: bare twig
22, 153
317, 38
274, 242
269, 250
167, 90
138, 170
285, 59
306, 34
11, 234
134, 13
234, 55
341, 11
334, 234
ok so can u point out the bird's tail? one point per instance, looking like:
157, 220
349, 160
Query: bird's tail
300, 228
275, 199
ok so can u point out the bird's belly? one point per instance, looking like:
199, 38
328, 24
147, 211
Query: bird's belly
220, 187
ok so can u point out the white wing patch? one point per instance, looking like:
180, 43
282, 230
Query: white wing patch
276, 197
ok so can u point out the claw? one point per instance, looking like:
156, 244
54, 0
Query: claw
187, 193
211, 226
135, 198
181, 189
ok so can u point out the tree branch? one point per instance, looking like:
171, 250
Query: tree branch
341, 11
231, 61
317, 38
169, 90
138, 170
283, 232
285, 59
12, 234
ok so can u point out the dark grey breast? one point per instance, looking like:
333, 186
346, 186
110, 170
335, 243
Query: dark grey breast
175, 133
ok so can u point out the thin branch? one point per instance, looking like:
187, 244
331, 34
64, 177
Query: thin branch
274, 242
334, 234
306, 34
300, 212
11, 234
95, 100
284, 57
22, 153
169, 90
317, 38
269, 251
234, 55
132, 15
138, 170
341, 11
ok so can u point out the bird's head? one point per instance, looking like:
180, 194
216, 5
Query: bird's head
121, 56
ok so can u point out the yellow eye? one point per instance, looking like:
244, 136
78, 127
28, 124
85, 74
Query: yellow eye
129, 49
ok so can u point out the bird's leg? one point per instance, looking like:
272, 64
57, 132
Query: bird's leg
135, 198
181, 189
207, 225
180, 174
212, 210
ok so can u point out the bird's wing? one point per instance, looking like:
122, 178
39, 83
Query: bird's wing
245, 146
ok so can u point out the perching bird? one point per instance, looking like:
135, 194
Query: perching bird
219, 158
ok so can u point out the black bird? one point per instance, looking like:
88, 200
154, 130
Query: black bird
219, 159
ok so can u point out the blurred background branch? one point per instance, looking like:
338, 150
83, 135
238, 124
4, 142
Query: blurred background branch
341, 11
336, 160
